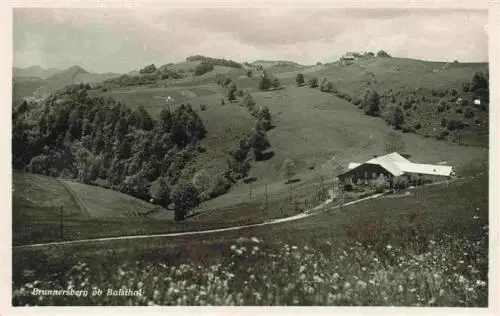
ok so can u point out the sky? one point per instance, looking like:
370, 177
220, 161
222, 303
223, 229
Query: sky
121, 40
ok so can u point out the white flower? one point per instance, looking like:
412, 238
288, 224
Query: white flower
389, 247
480, 283
255, 240
361, 284
347, 285
294, 247
335, 276
441, 292
475, 217
400, 288
233, 247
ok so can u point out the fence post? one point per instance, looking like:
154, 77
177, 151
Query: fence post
62, 222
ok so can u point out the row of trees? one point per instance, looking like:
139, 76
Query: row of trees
268, 81
215, 61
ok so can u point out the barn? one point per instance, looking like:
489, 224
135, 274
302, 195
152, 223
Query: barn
390, 166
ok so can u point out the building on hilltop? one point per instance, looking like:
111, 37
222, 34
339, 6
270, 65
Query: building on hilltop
393, 165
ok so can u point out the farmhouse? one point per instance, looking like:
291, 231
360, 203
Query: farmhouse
390, 166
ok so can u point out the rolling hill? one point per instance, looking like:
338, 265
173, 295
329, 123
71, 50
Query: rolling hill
31, 86
34, 71
88, 211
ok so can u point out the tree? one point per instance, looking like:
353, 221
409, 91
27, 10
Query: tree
396, 117
382, 53
160, 192
202, 181
148, 69
249, 73
203, 68
231, 93
322, 84
288, 169
329, 86
265, 81
248, 101
185, 200
299, 79
371, 102
275, 83
394, 143
313, 82
258, 142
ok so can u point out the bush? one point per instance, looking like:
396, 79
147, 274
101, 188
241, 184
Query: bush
459, 110
380, 184
313, 82
203, 68
299, 79
469, 112
356, 100
371, 102
220, 186
348, 187
417, 126
329, 86
203, 107
382, 53
265, 81
400, 183
249, 73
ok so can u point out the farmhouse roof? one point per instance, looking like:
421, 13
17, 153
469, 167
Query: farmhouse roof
398, 165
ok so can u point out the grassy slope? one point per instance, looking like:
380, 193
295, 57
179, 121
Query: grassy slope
89, 211
449, 210
312, 128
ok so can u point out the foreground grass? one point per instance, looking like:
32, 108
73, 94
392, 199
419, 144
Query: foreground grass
451, 272
433, 255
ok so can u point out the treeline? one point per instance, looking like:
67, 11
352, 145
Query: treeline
396, 108
147, 75
101, 141
215, 61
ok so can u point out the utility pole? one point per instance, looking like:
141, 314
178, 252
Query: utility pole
266, 200
250, 191
62, 222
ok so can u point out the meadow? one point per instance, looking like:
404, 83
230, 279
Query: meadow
427, 249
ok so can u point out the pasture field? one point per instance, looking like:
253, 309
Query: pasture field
320, 260
320, 132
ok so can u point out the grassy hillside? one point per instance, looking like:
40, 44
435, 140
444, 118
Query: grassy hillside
317, 130
88, 211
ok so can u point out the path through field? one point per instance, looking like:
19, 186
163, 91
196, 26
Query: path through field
305, 214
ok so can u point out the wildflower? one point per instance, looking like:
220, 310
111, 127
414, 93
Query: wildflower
461, 279
294, 247
347, 285
475, 217
400, 288
361, 284
480, 283
412, 290
441, 292
255, 240
389, 247
335, 276
233, 248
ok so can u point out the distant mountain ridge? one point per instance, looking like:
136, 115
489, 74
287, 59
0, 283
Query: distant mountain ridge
34, 71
